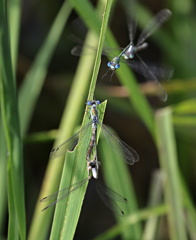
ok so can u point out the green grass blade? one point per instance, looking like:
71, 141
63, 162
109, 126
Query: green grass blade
66, 216
132, 219
14, 22
118, 178
100, 48
3, 178
70, 118
3, 154
191, 211
41, 137
185, 114
13, 220
168, 161
75, 169
155, 199
67, 212
11, 126
137, 99
184, 121
33, 82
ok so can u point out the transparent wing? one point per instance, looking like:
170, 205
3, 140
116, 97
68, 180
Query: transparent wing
129, 155
149, 73
88, 49
109, 197
110, 51
79, 50
79, 29
132, 29
70, 143
162, 72
132, 19
154, 24
62, 194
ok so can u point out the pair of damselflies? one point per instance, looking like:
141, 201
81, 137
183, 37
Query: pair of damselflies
129, 155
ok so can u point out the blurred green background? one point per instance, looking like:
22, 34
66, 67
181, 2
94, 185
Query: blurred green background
174, 45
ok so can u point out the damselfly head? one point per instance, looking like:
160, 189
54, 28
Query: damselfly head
114, 64
89, 103
93, 102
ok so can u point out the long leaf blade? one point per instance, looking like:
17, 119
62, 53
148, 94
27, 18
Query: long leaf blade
9, 108
168, 161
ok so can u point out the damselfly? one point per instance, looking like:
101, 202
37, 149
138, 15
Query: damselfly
108, 196
95, 120
128, 154
131, 50
127, 55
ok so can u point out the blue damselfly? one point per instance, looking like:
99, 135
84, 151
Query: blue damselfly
129, 155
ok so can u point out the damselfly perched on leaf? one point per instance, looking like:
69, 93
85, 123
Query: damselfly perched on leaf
128, 154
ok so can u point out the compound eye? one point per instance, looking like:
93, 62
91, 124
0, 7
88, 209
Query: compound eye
117, 66
98, 102
109, 64
88, 103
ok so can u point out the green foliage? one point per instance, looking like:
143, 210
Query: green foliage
171, 128
74, 171
13, 155
113, 165
168, 161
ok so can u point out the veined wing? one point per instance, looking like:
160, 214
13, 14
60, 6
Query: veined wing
154, 24
132, 19
78, 50
129, 155
70, 143
62, 194
109, 197
150, 74
162, 72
